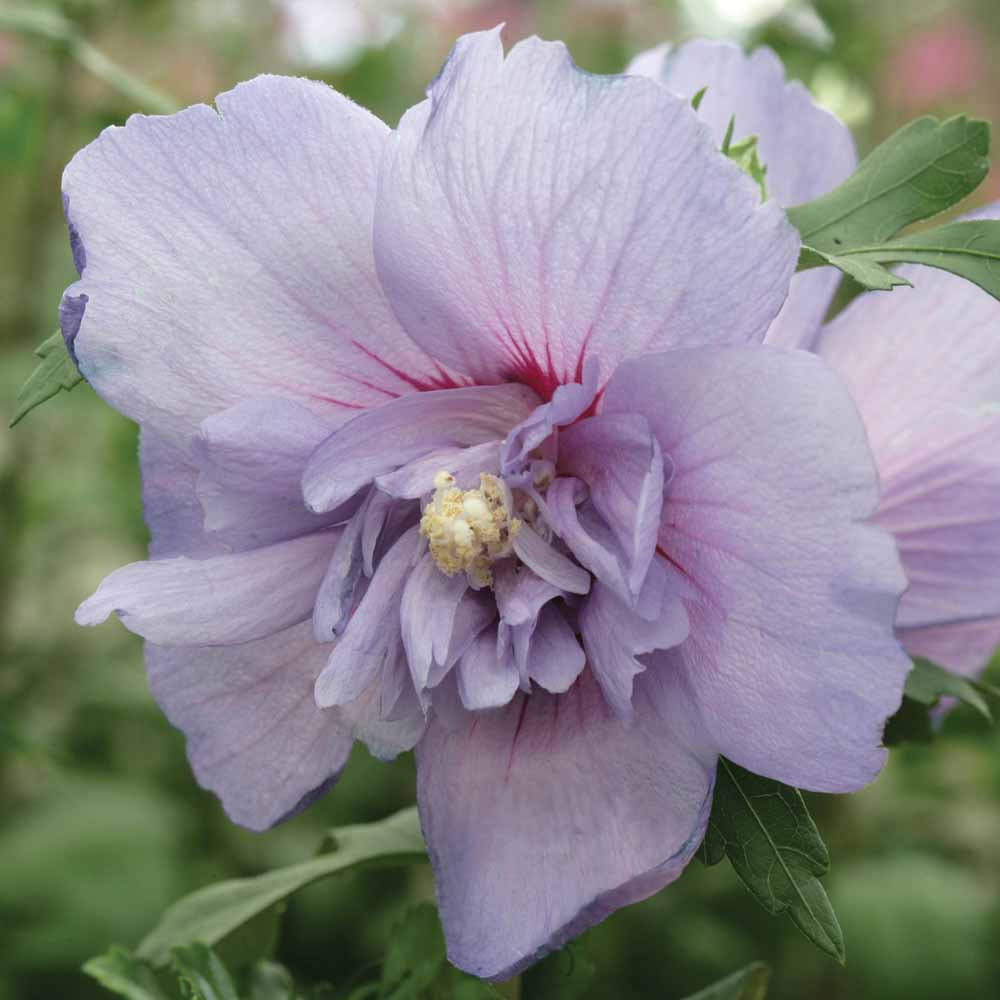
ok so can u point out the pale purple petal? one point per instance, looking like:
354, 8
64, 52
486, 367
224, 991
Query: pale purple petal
336, 595
416, 478
517, 236
371, 644
588, 536
926, 377
806, 150
228, 254
170, 503
550, 565
250, 460
254, 734
485, 679
214, 601
964, 648
389, 436
427, 617
476, 611
791, 659
569, 402
551, 654
619, 460
520, 593
543, 818
614, 635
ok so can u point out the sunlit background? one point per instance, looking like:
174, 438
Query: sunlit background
101, 824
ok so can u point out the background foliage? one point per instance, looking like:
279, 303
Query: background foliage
101, 824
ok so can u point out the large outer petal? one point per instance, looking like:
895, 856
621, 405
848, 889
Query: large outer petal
924, 366
807, 151
228, 254
530, 215
254, 734
543, 818
791, 658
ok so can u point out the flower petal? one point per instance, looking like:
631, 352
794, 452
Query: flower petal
569, 402
587, 535
964, 648
215, 601
254, 734
806, 150
485, 679
926, 376
543, 818
427, 617
229, 254
170, 502
530, 215
791, 658
614, 634
389, 436
520, 593
416, 478
552, 566
618, 458
372, 642
250, 459
548, 652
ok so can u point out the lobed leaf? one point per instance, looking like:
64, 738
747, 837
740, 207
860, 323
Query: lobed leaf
765, 830
927, 683
212, 914
922, 169
53, 373
749, 983
969, 249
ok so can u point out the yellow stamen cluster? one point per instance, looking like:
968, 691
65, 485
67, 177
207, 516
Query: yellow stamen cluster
467, 530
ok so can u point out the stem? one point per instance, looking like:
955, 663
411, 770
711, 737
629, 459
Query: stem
53, 27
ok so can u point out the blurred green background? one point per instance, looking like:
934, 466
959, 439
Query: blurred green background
101, 824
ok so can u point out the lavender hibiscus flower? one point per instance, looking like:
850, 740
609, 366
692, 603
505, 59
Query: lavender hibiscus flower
923, 363
459, 437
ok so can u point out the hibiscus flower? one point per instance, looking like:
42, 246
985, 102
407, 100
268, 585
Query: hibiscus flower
460, 437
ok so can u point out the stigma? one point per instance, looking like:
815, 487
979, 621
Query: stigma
468, 530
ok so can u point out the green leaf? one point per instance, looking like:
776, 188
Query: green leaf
927, 683
201, 974
747, 984
54, 372
867, 273
415, 966
120, 972
210, 915
416, 955
772, 842
698, 98
919, 171
969, 249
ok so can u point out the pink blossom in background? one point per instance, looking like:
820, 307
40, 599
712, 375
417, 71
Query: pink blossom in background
461, 438
935, 65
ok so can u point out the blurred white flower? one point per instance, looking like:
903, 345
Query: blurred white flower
334, 33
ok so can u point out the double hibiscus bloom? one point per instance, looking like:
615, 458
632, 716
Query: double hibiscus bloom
493, 436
